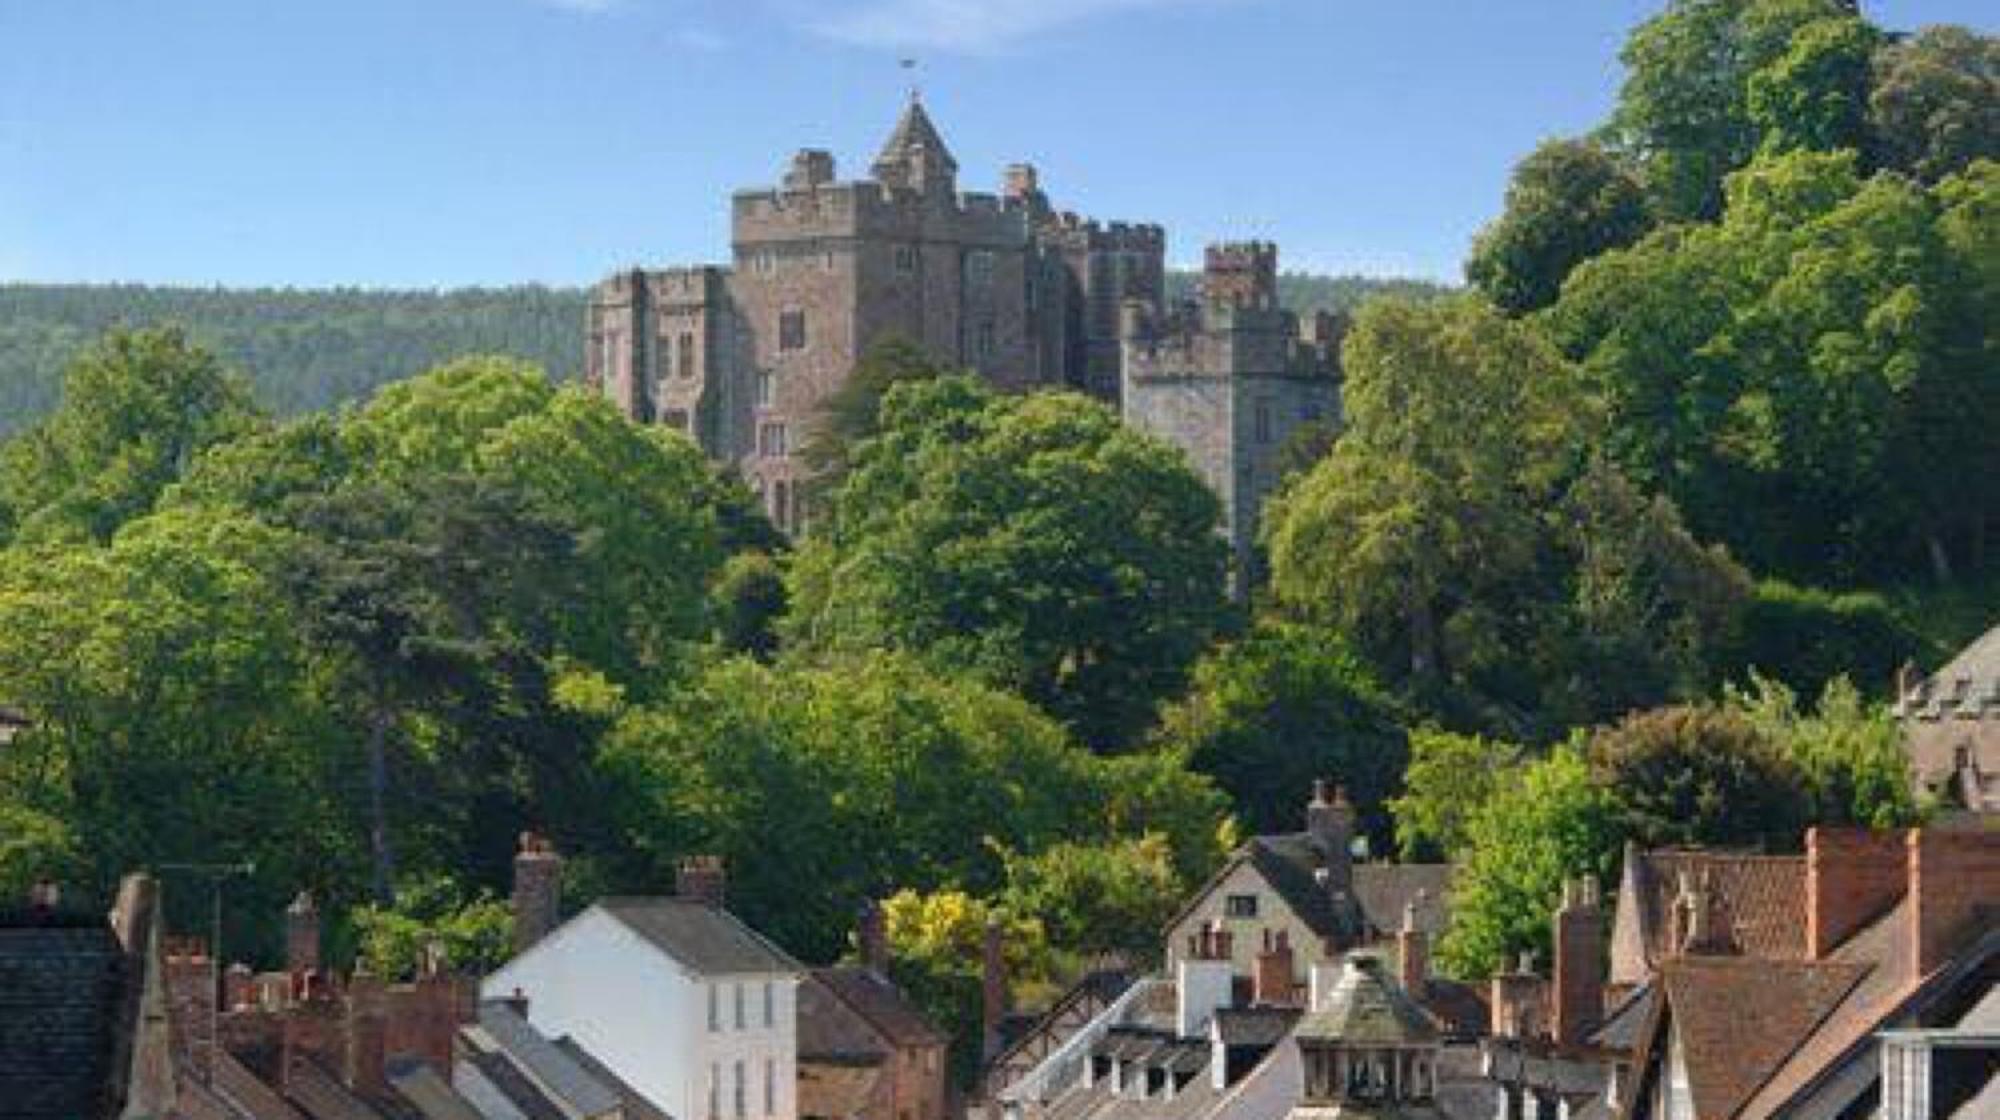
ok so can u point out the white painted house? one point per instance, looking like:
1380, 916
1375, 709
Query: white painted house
683, 1002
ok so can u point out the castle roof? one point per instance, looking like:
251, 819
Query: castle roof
914, 144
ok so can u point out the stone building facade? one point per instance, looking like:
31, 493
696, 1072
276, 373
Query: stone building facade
1228, 378
739, 358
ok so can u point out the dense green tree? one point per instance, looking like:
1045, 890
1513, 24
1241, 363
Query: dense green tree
825, 786
1568, 201
1034, 542
174, 713
1699, 775
1684, 112
937, 946
1287, 704
137, 407
1459, 537
749, 601
1805, 637
1449, 778
1814, 96
1103, 898
475, 935
1803, 378
1848, 751
1934, 109
1546, 823
853, 412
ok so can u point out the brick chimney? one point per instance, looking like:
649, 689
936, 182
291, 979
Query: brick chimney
1330, 824
366, 1067
993, 988
1954, 877
302, 935
1271, 977
871, 938
1519, 1001
1578, 999
1204, 980
703, 879
239, 987
1413, 952
1852, 876
190, 988
537, 902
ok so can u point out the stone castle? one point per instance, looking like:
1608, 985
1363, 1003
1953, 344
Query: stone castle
740, 358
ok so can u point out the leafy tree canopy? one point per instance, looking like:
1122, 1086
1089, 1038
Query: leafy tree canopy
1034, 542
1569, 200
1935, 106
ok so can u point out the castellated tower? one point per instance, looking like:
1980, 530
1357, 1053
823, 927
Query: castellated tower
741, 358
1228, 378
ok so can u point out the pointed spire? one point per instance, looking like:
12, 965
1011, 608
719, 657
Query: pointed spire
915, 154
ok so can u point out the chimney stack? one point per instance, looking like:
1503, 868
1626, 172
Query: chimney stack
993, 988
1954, 877
367, 1055
302, 935
1271, 982
1330, 824
1413, 952
1518, 999
702, 879
191, 994
537, 901
1579, 971
872, 938
1852, 876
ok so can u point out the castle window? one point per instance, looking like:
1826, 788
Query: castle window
1263, 421
685, 362
791, 330
1240, 906
983, 345
766, 388
978, 267
826, 260
771, 441
906, 258
781, 500
675, 419
740, 1094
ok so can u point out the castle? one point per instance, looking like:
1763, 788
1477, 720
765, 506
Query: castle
740, 358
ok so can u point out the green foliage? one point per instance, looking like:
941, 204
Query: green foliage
1687, 776
1306, 293
1685, 113
1449, 778
1034, 542
1287, 704
1569, 200
825, 786
1547, 822
749, 600
302, 350
1814, 96
1935, 106
474, 936
1805, 637
1848, 752
1457, 536
34, 845
1802, 379
137, 407
936, 948
1098, 898
853, 412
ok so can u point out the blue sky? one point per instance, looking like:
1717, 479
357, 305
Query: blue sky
444, 142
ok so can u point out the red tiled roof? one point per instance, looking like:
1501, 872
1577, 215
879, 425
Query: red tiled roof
1738, 1018
1763, 896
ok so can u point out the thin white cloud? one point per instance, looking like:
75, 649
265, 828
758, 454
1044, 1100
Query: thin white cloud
700, 39
968, 26
587, 7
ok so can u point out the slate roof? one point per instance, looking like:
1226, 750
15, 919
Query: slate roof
1737, 1018
321, 1096
1254, 1026
1367, 1007
425, 1090
877, 1001
60, 992
1371, 907
1624, 1020
708, 940
1951, 725
553, 1070
637, 1107
515, 1086
1459, 1010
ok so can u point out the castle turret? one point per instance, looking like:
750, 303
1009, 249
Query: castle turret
915, 156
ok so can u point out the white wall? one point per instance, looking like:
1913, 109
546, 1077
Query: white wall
646, 1018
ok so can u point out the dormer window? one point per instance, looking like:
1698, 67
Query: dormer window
1240, 906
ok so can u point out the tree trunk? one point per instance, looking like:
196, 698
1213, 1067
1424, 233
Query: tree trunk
378, 810
1940, 560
